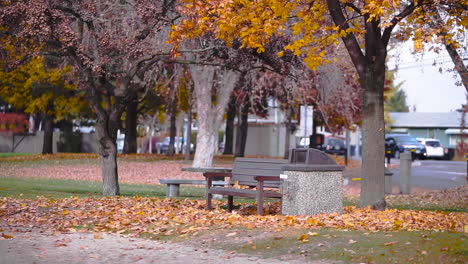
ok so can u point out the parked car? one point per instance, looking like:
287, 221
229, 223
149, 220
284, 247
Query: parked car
332, 145
178, 144
396, 144
433, 148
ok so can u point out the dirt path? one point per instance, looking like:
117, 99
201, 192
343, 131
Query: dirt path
34, 246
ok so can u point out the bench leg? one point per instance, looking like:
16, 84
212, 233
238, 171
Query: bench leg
260, 203
281, 206
230, 204
209, 196
173, 190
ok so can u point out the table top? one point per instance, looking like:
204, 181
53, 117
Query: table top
208, 169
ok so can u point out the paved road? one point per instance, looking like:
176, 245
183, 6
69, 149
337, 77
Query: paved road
435, 174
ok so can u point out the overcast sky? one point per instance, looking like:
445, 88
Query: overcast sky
426, 88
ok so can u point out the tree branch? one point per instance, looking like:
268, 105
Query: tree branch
388, 31
350, 41
355, 8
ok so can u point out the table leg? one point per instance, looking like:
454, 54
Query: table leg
173, 190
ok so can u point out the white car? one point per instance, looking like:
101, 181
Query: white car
433, 148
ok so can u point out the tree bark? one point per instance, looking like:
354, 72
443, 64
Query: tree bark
130, 142
373, 139
243, 126
188, 140
172, 129
48, 128
288, 132
107, 124
210, 114
231, 116
106, 128
453, 53
459, 64
371, 70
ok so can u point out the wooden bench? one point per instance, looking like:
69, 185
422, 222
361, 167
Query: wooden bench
173, 185
250, 173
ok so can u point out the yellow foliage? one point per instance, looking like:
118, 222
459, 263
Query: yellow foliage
34, 88
254, 22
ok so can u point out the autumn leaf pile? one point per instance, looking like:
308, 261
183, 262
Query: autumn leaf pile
156, 216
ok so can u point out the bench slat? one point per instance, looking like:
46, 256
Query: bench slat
243, 192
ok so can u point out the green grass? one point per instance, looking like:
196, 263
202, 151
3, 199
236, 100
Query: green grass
429, 207
356, 246
11, 154
31, 188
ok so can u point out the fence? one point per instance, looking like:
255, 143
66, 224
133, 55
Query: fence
62, 142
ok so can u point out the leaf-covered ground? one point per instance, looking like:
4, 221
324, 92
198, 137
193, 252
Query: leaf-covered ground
187, 219
137, 215
119, 213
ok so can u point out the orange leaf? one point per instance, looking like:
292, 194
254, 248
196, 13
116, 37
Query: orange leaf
7, 236
304, 238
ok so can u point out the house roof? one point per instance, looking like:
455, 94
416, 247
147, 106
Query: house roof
415, 119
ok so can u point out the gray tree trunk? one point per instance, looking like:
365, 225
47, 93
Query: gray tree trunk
242, 129
210, 114
370, 65
108, 156
287, 141
231, 116
130, 141
373, 141
48, 127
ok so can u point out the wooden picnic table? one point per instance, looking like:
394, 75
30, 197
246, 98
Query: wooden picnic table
218, 173
215, 174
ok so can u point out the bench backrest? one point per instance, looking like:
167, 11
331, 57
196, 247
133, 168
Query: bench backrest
245, 169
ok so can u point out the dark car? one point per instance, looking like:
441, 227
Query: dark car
335, 146
331, 145
395, 144
179, 143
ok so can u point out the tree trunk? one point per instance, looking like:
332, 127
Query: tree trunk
288, 132
370, 67
209, 114
106, 129
452, 51
48, 128
172, 129
243, 126
373, 138
130, 142
459, 65
188, 140
231, 116
107, 125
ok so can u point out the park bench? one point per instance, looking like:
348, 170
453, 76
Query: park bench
173, 185
259, 177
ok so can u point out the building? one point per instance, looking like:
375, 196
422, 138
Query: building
445, 127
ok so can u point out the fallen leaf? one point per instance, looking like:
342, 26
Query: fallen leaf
352, 241
7, 236
231, 234
60, 244
97, 236
304, 238
312, 234
391, 243
446, 248
424, 252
